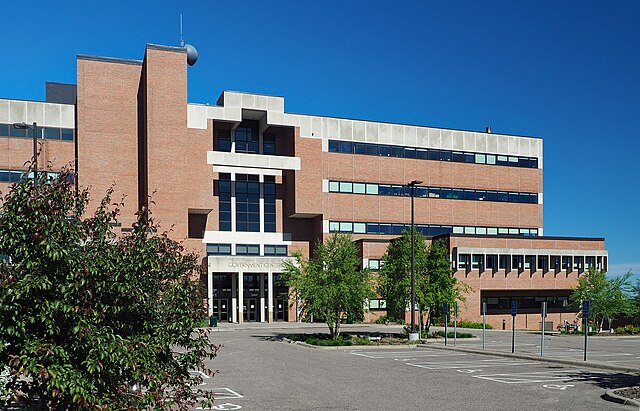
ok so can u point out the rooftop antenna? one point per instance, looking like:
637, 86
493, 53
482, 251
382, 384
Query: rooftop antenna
181, 40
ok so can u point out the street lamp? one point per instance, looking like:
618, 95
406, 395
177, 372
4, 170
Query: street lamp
34, 128
413, 335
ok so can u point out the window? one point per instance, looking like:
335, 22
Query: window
374, 264
4, 130
52, 133
334, 186
67, 134
196, 224
426, 229
464, 261
345, 187
224, 140
377, 304
218, 249
247, 249
275, 250
248, 203
359, 188
269, 189
224, 201
372, 189
269, 144
359, 228
17, 132
247, 140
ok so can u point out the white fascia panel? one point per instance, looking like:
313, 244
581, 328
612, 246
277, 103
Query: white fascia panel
530, 251
234, 237
44, 114
220, 158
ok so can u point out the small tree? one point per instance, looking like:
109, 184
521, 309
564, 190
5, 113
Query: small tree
441, 286
394, 279
435, 283
635, 300
330, 285
86, 315
609, 296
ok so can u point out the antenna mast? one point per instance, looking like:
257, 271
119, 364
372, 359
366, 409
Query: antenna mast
181, 40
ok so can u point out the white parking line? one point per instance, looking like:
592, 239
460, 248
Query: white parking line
474, 365
538, 377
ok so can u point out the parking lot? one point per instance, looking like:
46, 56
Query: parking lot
257, 371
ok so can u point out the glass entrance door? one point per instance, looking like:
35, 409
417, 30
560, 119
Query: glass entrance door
221, 309
250, 309
280, 310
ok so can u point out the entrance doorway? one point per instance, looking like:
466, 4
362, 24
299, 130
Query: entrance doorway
250, 310
280, 309
221, 309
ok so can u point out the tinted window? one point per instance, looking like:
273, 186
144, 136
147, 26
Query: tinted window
67, 134
52, 133
4, 130
269, 143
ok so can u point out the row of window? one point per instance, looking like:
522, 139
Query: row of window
428, 230
525, 262
526, 302
248, 249
431, 192
14, 176
337, 146
49, 133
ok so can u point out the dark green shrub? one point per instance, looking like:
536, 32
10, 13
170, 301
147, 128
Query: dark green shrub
450, 334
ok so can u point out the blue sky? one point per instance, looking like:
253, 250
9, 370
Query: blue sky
565, 71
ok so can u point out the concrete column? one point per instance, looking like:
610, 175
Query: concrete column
270, 296
210, 293
240, 297
262, 316
234, 298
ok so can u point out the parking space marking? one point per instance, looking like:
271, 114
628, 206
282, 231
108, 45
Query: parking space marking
469, 365
223, 393
538, 377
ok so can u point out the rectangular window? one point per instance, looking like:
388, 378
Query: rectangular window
334, 226
345, 187
224, 201
346, 227
434, 154
51, 133
224, 140
4, 130
480, 159
422, 154
491, 159
247, 140
248, 249
218, 249
17, 132
67, 134
372, 228
248, 203
334, 146
374, 264
275, 250
269, 194
269, 144
334, 186
359, 188
409, 152
346, 147
359, 228
372, 189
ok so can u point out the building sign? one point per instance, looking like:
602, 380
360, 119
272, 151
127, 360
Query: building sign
232, 264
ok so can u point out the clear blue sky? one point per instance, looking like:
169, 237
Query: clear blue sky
565, 71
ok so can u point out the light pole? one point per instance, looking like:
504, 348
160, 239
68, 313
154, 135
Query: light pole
413, 335
34, 128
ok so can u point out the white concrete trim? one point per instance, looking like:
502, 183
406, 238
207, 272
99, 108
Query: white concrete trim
45, 114
238, 237
244, 170
260, 161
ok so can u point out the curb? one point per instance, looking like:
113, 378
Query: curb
352, 347
610, 395
600, 366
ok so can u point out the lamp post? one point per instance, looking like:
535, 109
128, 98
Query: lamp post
34, 128
413, 335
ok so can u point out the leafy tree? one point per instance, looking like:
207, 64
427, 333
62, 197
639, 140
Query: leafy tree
608, 295
435, 283
86, 315
441, 286
635, 295
394, 279
330, 285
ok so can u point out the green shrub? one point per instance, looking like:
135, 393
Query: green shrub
385, 319
323, 340
450, 334
361, 341
471, 324
628, 329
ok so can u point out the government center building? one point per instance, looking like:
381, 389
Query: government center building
245, 184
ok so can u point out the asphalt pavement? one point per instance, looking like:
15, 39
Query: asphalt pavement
257, 371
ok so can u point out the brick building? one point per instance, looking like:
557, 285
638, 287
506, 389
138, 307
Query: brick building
245, 183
